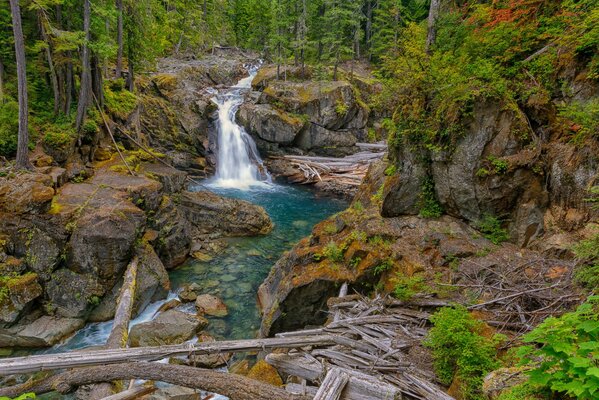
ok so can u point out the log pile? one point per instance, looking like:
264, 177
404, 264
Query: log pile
349, 170
373, 338
364, 352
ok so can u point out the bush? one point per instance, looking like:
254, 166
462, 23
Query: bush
333, 252
587, 252
118, 101
9, 128
461, 351
428, 204
564, 352
491, 228
407, 286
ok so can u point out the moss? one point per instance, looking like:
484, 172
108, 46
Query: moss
118, 101
264, 372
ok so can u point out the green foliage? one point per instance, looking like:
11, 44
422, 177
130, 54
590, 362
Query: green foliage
384, 266
583, 119
357, 206
21, 397
406, 287
564, 352
9, 125
391, 170
333, 252
59, 136
587, 252
461, 351
492, 229
519, 392
428, 203
119, 102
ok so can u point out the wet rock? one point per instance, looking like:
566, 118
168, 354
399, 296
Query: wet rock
16, 293
211, 305
43, 332
189, 292
169, 305
169, 327
71, 294
26, 193
213, 214
264, 372
174, 393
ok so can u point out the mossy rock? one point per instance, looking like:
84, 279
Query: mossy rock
264, 372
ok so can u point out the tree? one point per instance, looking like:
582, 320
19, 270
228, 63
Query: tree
23, 135
85, 89
433, 15
343, 19
119, 38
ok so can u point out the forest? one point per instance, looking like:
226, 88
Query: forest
443, 243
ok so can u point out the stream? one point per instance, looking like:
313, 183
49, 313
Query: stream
235, 274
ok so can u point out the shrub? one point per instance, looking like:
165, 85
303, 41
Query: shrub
587, 252
9, 128
59, 138
333, 252
407, 286
491, 228
384, 266
460, 350
390, 170
119, 102
564, 352
428, 204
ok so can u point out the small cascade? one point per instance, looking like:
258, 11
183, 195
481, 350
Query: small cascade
238, 162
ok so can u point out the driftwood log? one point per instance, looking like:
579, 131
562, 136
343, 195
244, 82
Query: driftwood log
236, 387
120, 328
46, 362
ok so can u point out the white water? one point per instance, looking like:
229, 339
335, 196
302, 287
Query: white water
238, 162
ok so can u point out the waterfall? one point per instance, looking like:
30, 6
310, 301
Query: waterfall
238, 163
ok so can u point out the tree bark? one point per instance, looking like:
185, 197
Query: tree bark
119, 39
236, 387
433, 15
51, 69
85, 89
23, 135
96, 73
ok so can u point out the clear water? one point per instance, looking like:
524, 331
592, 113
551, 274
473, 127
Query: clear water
238, 163
236, 274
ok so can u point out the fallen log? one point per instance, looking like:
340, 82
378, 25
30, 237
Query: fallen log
235, 387
333, 385
120, 328
133, 393
46, 362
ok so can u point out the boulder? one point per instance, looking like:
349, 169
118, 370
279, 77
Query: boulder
270, 124
211, 305
71, 294
43, 332
174, 393
169, 327
264, 372
16, 293
189, 292
174, 234
26, 193
211, 214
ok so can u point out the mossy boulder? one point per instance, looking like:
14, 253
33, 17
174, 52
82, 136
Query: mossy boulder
16, 293
169, 327
264, 372
26, 193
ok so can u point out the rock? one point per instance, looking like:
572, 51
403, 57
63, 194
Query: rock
152, 283
211, 360
203, 257
241, 367
169, 327
43, 332
210, 214
43, 252
72, 294
169, 305
189, 292
264, 372
211, 305
16, 293
172, 180
27, 193
270, 124
173, 242
502, 379
42, 160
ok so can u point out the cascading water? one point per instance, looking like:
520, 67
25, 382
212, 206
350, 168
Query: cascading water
238, 162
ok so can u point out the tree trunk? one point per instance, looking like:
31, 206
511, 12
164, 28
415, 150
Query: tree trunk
69, 88
131, 77
433, 15
368, 28
85, 89
236, 387
119, 39
51, 69
97, 80
23, 138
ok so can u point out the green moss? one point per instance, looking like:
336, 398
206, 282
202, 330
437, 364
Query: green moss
491, 228
118, 101
427, 202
